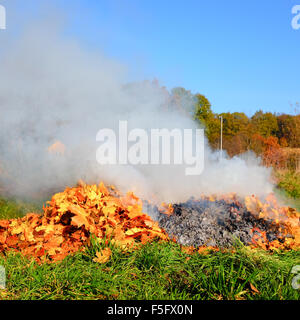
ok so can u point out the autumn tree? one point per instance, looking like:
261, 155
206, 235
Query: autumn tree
234, 123
265, 124
272, 153
265, 133
289, 129
236, 128
184, 99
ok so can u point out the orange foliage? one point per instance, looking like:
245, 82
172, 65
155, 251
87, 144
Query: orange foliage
270, 150
287, 219
72, 216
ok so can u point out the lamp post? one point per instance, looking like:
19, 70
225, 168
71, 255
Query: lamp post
221, 145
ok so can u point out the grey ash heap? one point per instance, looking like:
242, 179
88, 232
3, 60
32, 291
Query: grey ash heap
215, 223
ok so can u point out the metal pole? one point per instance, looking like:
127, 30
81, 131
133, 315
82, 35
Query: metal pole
221, 146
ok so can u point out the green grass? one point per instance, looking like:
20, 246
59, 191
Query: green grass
11, 208
282, 195
290, 183
158, 270
288, 188
155, 271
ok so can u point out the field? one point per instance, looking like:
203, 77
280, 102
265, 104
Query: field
289, 187
159, 270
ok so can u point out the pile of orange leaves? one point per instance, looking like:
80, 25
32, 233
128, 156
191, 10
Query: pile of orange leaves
72, 217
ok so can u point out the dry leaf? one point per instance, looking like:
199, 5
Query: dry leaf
103, 256
253, 288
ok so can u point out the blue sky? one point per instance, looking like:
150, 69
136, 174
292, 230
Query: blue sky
243, 55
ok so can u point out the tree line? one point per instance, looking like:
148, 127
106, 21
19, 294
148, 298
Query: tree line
275, 137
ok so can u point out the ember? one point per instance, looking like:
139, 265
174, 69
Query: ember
218, 221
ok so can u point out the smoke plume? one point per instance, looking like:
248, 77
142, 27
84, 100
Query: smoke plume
52, 89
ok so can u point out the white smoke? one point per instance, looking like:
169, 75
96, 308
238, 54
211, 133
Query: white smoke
51, 89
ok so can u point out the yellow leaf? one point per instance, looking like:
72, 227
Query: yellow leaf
17, 230
132, 231
103, 256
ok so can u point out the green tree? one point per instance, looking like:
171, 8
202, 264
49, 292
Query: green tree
203, 112
265, 124
236, 132
234, 123
205, 116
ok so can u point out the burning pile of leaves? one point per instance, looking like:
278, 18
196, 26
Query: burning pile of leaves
217, 221
285, 220
71, 217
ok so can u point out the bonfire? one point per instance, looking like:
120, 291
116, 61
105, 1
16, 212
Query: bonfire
76, 215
